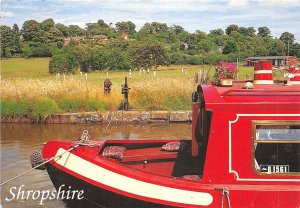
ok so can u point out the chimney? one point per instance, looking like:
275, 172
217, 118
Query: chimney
263, 72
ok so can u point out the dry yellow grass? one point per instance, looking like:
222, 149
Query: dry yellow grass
164, 93
42, 97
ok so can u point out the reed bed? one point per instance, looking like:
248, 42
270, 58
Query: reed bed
42, 97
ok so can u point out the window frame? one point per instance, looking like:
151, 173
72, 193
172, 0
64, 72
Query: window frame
254, 125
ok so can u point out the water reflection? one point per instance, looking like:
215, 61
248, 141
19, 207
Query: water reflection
19, 140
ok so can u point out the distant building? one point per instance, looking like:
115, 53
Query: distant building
124, 36
276, 60
100, 38
77, 39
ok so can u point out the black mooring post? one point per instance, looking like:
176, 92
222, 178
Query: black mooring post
125, 91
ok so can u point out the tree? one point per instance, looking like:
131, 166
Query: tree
54, 35
99, 28
16, 39
93, 29
230, 47
152, 29
99, 58
216, 32
117, 44
47, 24
6, 40
26, 50
83, 55
75, 30
63, 29
145, 54
206, 45
264, 32
277, 48
177, 29
102, 24
118, 59
126, 27
295, 50
250, 31
31, 30
231, 28
287, 37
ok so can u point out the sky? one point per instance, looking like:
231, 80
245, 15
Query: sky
204, 15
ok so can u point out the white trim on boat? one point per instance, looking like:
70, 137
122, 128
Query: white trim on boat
130, 185
263, 82
263, 72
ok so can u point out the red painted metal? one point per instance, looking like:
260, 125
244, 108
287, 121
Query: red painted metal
295, 71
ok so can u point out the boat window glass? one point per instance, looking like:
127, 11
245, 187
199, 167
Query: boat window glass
276, 147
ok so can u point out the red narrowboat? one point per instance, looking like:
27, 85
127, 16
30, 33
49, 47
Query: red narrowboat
244, 152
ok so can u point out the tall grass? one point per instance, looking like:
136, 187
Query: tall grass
42, 97
162, 94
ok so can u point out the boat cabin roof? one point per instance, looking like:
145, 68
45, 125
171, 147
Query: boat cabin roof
260, 93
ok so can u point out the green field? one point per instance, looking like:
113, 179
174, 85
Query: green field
28, 89
26, 68
38, 68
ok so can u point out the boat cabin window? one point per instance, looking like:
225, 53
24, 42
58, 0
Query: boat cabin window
276, 147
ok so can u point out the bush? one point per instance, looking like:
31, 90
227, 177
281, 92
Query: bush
41, 50
180, 58
60, 63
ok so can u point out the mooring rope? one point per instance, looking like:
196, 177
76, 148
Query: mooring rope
49, 160
225, 193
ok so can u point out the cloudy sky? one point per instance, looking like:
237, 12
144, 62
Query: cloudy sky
279, 15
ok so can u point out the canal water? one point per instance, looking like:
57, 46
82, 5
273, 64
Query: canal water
19, 140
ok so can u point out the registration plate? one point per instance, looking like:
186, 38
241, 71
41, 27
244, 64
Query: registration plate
274, 168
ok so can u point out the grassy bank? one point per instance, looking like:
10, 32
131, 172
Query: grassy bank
40, 98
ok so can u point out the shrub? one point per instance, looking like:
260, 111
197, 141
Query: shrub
41, 50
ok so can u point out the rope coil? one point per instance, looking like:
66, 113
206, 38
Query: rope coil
85, 140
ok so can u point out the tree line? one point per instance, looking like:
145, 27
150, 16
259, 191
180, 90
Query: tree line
154, 44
